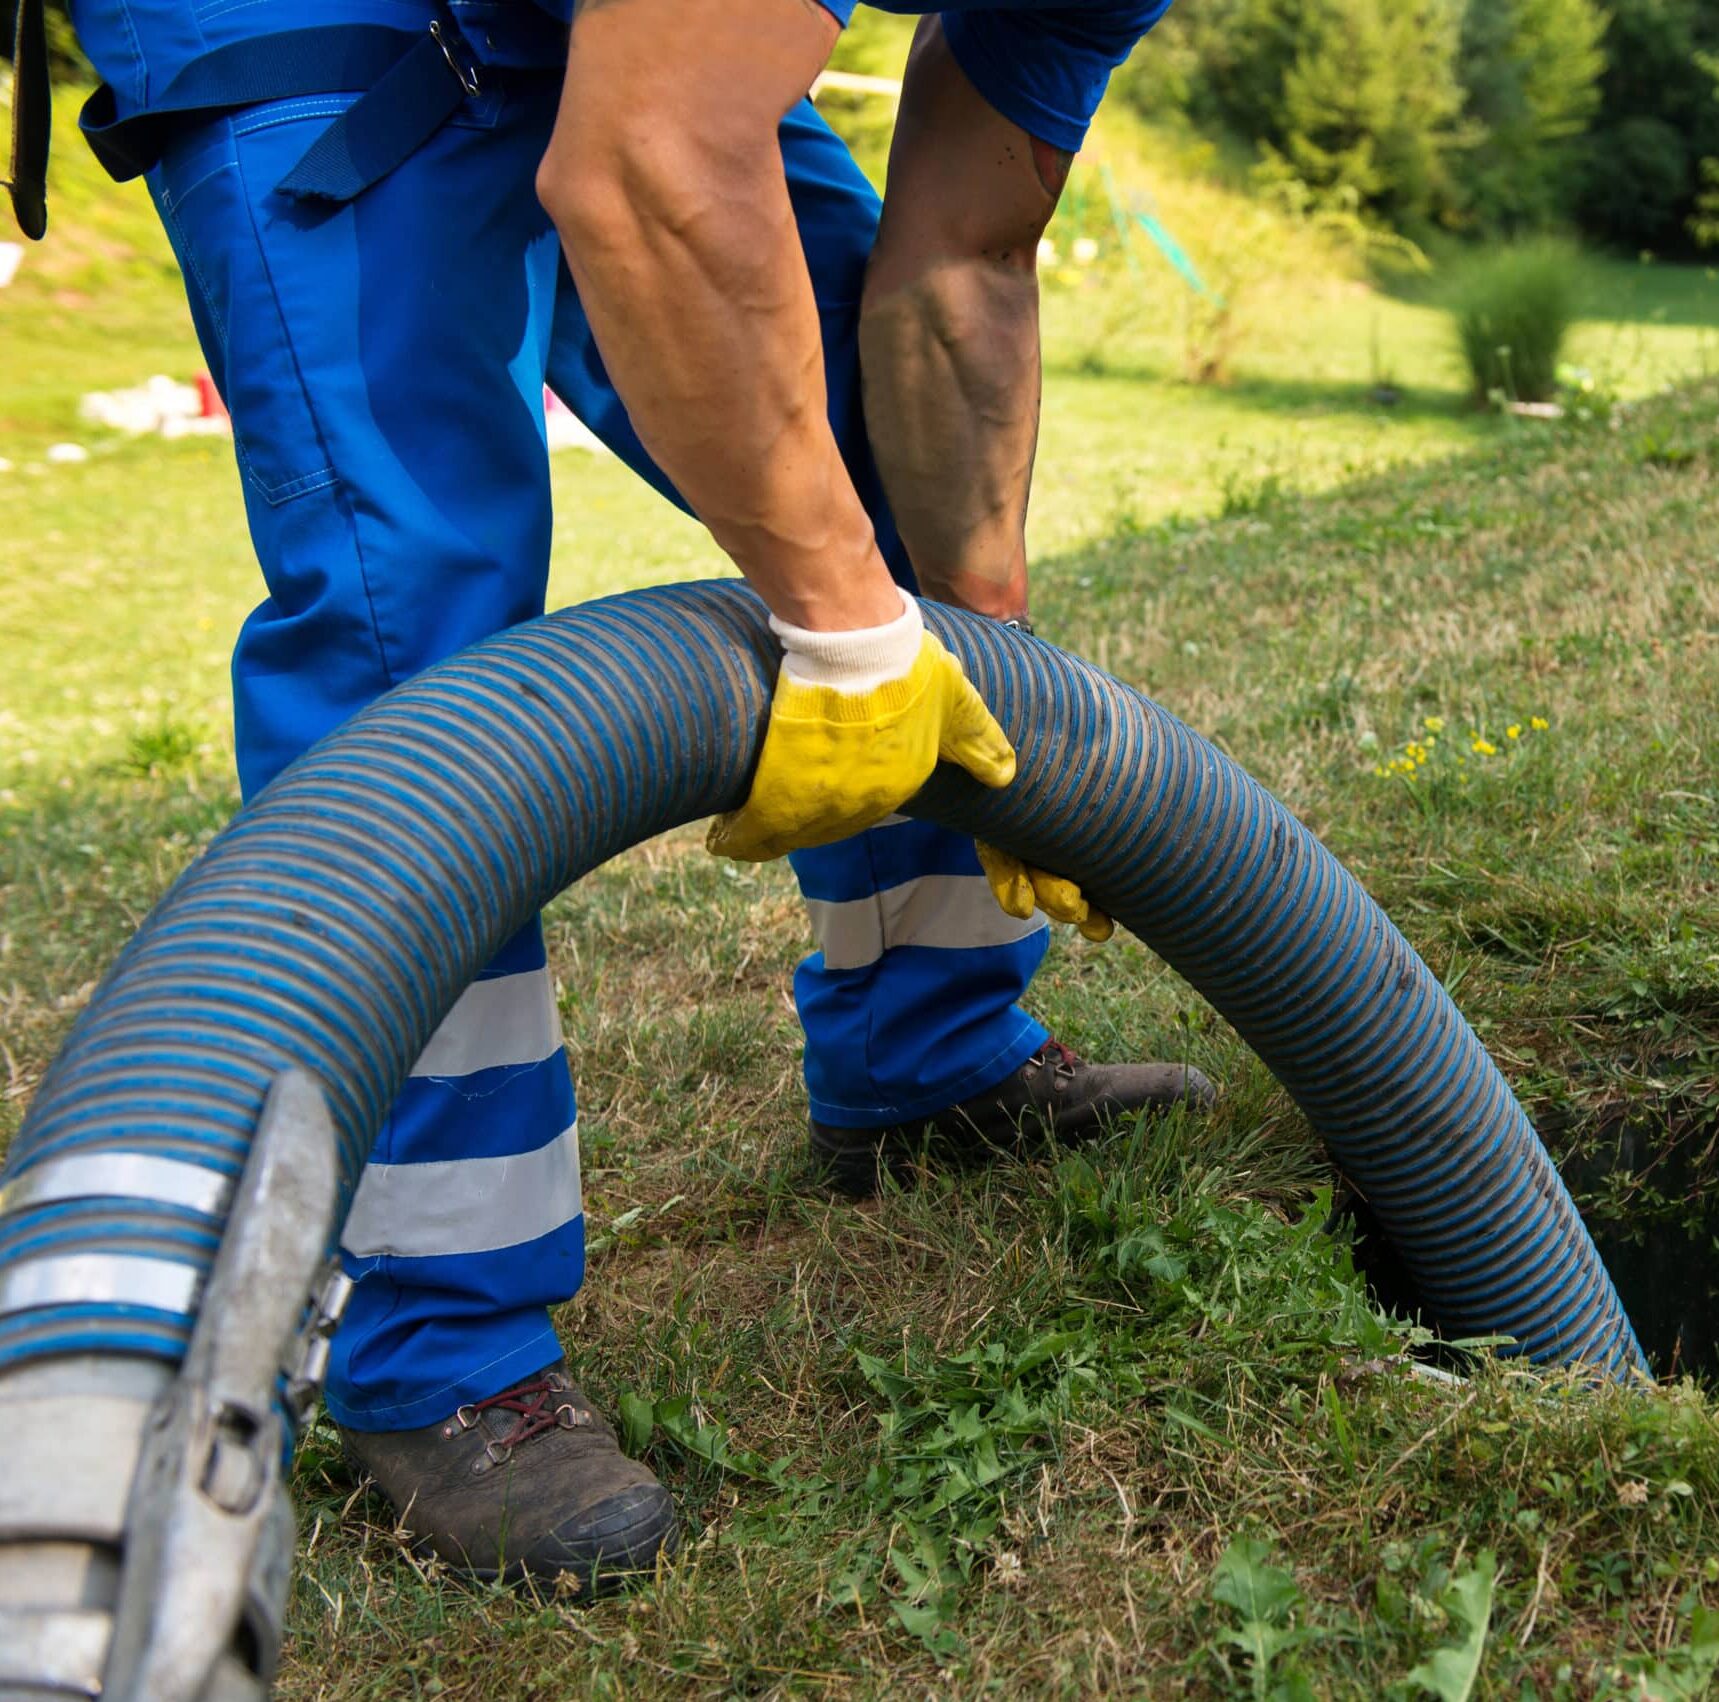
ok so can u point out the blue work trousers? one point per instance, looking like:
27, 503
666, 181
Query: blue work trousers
384, 365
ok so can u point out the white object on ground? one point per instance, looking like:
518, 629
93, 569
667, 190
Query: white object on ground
1084, 251
564, 428
1047, 251
197, 425
67, 452
162, 406
5, 465
11, 256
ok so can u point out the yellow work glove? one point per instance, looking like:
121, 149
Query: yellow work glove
858, 722
1021, 889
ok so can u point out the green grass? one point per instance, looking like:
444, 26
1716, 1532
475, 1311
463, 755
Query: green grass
1119, 1423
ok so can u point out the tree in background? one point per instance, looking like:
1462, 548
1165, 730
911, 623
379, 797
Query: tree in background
1370, 102
1355, 99
1704, 221
1243, 50
1530, 73
1488, 116
1658, 120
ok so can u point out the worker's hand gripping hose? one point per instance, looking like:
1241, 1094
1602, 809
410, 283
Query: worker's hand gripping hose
858, 721
158, 1230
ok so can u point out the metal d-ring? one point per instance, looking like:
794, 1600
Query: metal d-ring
464, 71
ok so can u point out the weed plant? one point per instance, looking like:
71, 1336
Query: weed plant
1513, 309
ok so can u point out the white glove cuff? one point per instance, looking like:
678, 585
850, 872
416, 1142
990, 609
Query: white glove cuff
853, 662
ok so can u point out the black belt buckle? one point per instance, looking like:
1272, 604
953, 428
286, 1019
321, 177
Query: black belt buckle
457, 52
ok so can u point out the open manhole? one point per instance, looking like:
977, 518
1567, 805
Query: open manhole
1646, 1177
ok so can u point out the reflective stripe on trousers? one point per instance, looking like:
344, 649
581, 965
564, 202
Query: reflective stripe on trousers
383, 363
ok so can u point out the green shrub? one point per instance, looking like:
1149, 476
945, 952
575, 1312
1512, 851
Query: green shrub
1513, 308
1704, 221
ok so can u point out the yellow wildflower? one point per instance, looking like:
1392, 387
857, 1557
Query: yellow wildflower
1484, 747
1539, 723
1434, 723
1513, 731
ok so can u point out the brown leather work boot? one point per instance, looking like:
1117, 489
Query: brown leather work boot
530, 1481
1053, 1093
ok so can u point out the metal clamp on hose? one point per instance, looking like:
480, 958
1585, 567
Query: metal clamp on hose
209, 1530
306, 1367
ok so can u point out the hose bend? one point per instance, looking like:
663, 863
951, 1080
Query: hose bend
331, 927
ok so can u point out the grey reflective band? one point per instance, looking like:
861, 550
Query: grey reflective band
465, 1205
1021, 624
119, 1176
509, 1021
114, 1279
946, 912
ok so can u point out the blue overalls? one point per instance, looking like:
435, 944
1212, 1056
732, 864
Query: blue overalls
383, 359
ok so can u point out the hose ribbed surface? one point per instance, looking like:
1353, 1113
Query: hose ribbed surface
336, 921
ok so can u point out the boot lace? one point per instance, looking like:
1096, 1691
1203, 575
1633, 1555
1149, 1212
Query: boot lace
542, 1405
1063, 1059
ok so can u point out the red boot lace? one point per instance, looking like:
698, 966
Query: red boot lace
1061, 1057
539, 1407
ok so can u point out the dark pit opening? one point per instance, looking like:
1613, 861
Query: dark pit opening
1646, 1177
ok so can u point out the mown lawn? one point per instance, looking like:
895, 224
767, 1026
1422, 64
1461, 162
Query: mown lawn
1124, 1422
999, 1432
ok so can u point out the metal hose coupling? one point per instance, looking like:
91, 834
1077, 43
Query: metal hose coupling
146, 1536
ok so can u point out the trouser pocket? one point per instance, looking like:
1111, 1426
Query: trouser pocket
205, 205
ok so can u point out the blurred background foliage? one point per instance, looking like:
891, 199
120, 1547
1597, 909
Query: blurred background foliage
1481, 118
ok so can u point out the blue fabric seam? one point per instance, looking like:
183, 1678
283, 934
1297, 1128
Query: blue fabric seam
1028, 1038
